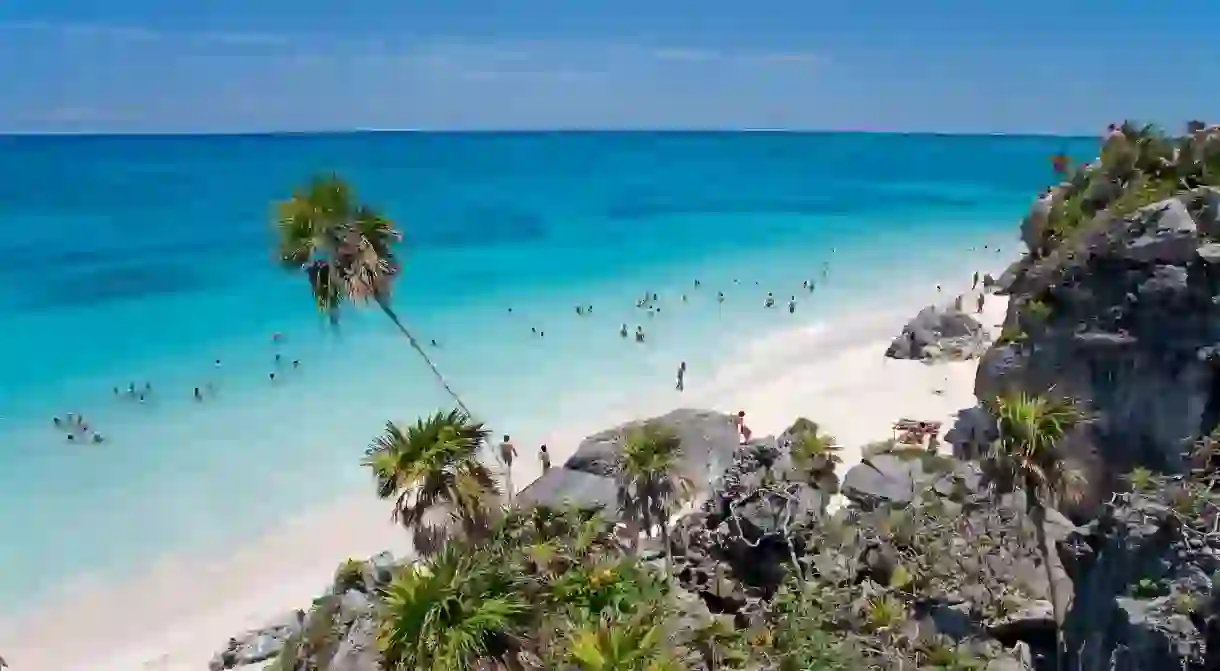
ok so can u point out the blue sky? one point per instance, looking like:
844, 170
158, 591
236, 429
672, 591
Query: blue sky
938, 65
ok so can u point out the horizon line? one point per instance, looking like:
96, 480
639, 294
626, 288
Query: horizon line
535, 131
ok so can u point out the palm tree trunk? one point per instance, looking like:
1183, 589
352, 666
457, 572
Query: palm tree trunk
669, 557
389, 312
1037, 514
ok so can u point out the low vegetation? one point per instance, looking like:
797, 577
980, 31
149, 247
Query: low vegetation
1139, 165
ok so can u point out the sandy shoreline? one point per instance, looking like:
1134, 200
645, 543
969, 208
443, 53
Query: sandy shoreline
176, 617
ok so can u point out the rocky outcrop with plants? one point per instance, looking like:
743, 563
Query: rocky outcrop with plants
1117, 301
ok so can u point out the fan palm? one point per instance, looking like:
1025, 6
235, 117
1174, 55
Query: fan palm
816, 452
616, 642
456, 612
431, 469
649, 484
1028, 456
346, 251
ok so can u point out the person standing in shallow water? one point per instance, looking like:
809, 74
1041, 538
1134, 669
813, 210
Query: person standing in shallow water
792, 305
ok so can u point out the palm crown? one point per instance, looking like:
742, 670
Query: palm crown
433, 467
1028, 452
457, 611
345, 249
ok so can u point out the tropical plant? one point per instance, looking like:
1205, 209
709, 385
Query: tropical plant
346, 251
649, 483
432, 471
454, 613
1028, 455
721, 645
617, 642
816, 453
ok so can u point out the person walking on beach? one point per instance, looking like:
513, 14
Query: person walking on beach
681, 377
545, 458
975, 284
979, 306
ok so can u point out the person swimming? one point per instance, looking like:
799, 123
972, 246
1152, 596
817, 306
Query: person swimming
198, 395
719, 296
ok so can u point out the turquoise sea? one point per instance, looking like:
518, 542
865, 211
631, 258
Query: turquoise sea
146, 259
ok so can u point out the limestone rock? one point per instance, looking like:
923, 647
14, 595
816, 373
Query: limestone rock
937, 334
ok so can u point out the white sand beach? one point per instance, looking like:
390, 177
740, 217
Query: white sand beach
176, 617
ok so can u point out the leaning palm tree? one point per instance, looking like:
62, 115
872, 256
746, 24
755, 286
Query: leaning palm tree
432, 471
346, 251
649, 484
458, 611
1028, 456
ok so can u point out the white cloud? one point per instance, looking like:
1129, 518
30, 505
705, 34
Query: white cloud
122, 33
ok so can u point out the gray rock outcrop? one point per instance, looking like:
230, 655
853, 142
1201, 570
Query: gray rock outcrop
1126, 318
940, 334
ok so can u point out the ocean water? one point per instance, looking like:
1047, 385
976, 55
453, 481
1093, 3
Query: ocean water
146, 259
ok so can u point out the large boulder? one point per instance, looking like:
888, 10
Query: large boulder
938, 334
886, 478
561, 487
709, 440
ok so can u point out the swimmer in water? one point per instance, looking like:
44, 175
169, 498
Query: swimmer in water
296, 363
198, 395
434, 343
622, 331
271, 376
697, 284
639, 334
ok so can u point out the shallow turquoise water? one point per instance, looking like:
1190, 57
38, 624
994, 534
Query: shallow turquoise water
132, 259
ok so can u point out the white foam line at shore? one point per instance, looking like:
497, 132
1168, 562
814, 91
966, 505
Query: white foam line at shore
176, 617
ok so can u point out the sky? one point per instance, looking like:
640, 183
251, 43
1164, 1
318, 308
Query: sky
1032, 66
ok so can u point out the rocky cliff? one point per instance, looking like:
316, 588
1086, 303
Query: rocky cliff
1125, 317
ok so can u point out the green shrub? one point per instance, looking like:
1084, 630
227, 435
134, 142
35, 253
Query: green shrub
1011, 334
1141, 192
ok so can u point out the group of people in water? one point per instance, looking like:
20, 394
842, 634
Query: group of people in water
77, 429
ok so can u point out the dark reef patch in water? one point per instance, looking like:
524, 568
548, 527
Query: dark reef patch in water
122, 283
482, 226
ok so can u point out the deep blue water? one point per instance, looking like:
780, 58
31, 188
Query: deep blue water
132, 259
